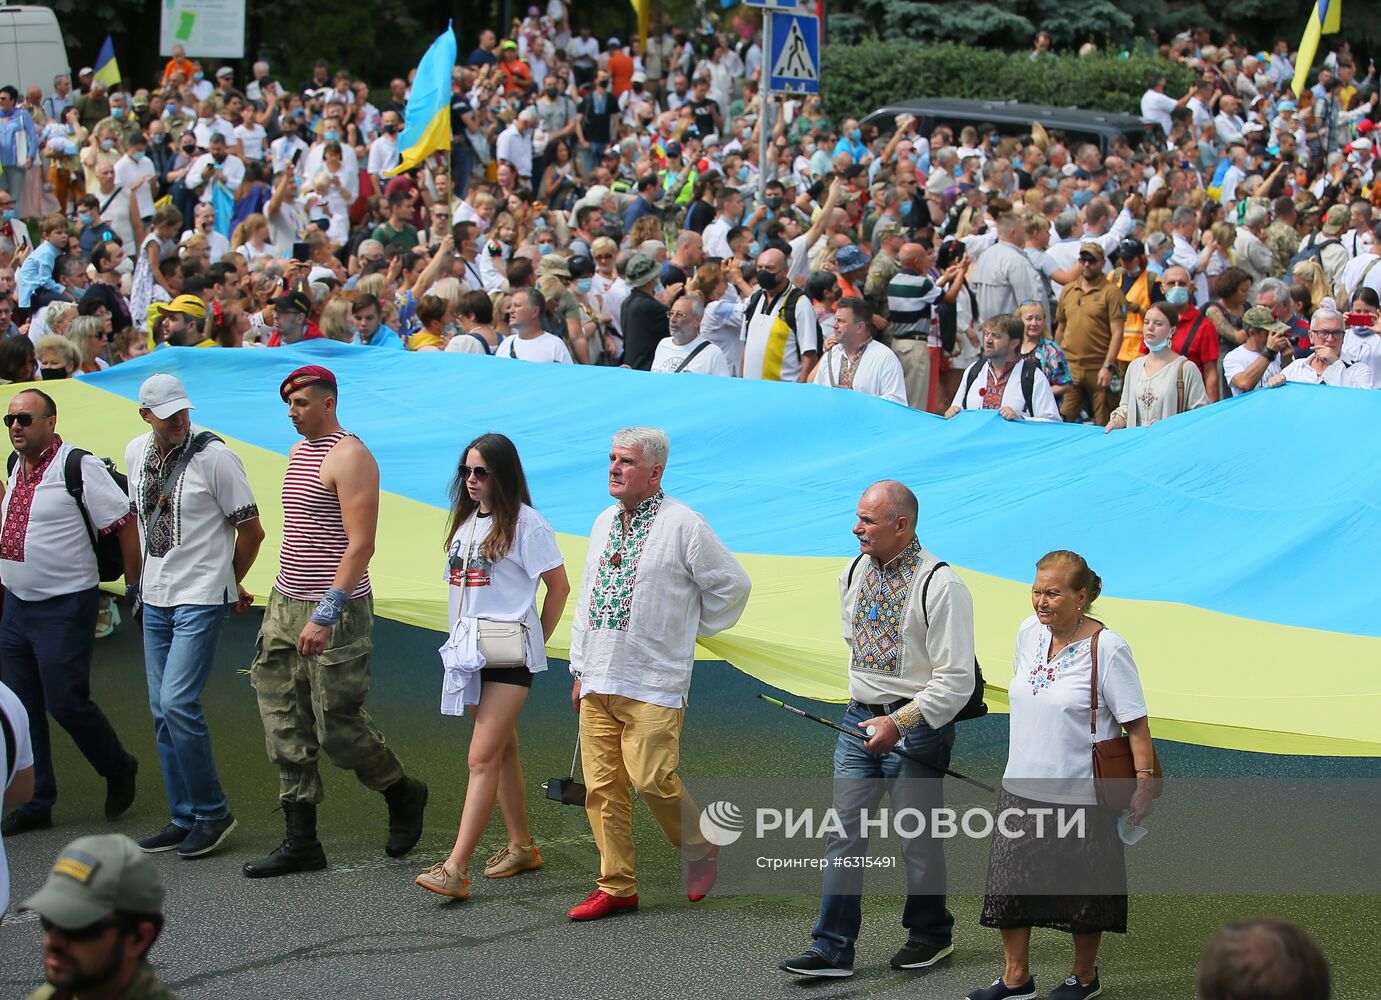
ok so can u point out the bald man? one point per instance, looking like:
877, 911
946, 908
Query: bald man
780, 334
909, 621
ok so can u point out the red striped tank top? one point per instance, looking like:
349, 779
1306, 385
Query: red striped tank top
313, 534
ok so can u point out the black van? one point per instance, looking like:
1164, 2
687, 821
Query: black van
1011, 118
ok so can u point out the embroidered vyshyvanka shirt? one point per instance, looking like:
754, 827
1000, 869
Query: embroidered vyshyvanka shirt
893, 655
650, 588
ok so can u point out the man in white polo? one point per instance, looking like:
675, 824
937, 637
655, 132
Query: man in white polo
199, 526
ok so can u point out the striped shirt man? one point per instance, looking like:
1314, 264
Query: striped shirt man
910, 297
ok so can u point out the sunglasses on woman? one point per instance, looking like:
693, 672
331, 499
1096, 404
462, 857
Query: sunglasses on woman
479, 472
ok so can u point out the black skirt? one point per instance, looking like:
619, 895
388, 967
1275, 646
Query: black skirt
1073, 884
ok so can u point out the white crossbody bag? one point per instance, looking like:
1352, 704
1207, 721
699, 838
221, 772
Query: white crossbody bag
502, 644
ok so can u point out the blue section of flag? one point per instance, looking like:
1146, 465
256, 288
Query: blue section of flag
223, 201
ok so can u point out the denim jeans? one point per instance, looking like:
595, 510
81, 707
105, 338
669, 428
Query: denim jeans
860, 779
179, 647
45, 658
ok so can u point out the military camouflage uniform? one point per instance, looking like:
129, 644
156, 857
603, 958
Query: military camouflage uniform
880, 272
296, 732
1283, 242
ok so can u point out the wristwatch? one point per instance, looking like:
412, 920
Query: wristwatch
1269, 354
1110, 367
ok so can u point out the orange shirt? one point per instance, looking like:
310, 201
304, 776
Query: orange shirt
183, 66
620, 71
518, 74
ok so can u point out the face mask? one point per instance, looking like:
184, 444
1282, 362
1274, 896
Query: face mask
389, 130
136, 156
9, 213
84, 218
583, 285
172, 107
856, 134
906, 207
754, 248
332, 136
645, 141
1361, 331
743, 173
107, 143
1177, 296
189, 150
198, 75
767, 282
773, 202
118, 112
808, 148
552, 92
545, 248
1083, 197
745, 132
1132, 272
52, 373
1163, 345
994, 138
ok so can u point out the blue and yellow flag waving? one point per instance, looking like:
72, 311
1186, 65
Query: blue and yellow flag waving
1325, 19
107, 70
427, 119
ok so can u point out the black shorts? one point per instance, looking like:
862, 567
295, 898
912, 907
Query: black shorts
520, 676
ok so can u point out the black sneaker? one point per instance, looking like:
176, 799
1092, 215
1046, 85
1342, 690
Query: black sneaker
22, 821
164, 840
817, 965
920, 955
119, 790
1072, 989
206, 836
1001, 991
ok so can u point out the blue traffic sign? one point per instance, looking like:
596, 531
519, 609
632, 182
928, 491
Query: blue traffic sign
794, 53
774, 4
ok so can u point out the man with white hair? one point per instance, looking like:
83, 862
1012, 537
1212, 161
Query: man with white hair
1249, 251
656, 578
515, 144
1325, 366
686, 350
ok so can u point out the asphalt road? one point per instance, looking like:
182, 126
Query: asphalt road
362, 930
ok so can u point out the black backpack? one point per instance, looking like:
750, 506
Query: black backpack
975, 707
1313, 250
110, 561
1028, 384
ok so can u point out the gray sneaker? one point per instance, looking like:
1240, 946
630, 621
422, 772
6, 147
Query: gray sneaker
206, 836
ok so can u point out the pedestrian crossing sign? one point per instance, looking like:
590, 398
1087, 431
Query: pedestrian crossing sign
794, 65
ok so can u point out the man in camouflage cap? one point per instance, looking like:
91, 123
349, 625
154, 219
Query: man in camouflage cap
102, 911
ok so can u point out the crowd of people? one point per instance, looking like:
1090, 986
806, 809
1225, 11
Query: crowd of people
604, 203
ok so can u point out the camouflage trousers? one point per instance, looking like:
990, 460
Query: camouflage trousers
315, 704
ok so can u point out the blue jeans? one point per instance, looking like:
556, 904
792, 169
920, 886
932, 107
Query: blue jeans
860, 779
45, 658
179, 647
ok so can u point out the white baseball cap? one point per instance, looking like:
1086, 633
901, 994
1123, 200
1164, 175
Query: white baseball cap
164, 395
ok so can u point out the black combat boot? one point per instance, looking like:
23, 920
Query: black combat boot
406, 798
300, 850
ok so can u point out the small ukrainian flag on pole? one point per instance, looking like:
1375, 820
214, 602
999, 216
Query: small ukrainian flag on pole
427, 119
107, 70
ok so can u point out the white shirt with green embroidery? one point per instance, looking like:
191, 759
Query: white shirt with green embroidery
893, 654
648, 591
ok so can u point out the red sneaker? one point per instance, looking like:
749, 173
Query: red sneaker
600, 904
700, 876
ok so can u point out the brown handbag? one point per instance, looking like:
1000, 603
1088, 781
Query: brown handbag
1114, 767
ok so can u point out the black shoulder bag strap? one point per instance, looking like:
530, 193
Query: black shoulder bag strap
1028, 383
685, 362
11, 749
925, 590
483, 343
106, 203
72, 479
970, 377
1193, 333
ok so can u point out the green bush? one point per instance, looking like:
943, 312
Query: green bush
856, 79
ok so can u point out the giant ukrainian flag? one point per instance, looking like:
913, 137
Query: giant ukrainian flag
1241, 557
427, 118
1324, 19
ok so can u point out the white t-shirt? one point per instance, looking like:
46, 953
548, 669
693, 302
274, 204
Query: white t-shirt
1366, 263
1364, 349
1049, 757
13, 711
879, 372
206, 127
710, 360
383, 155
543, 347
127, 172
190, 554
770, 351
1238, 360
251, 140
44, 548
505, 591
1158, 108
116, 214
466, 343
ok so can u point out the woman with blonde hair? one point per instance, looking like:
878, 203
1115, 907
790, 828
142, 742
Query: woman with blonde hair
649, 227
88, 335
57, 354
1048, 354
337, 320
251, 238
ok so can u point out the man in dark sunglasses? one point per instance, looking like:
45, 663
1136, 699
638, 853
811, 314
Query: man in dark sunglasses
101, 911
48, 625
